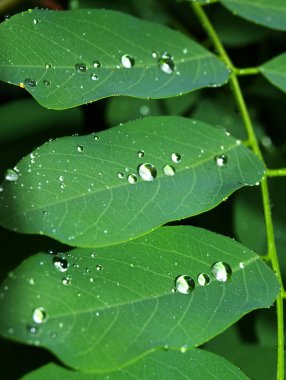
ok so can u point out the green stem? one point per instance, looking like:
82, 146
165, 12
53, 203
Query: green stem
247, 71
272, 254
276, 172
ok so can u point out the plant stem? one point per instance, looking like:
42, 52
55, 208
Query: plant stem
246, 71
276, 172
271, 252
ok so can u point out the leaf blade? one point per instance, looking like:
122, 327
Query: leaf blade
274, 71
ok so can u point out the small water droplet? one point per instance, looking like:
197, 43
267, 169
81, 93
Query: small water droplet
47, 82
127, 61
155, 54
184, 284
140, 153
184, 348
79, 148
11, 175
132, 178
176, 157
203, 279
147, 172
48, 66
96, 138
66, 280
166, 63
241, 265
31, 281
91, 279
60, 263
99, 267
61, 178
30, 82
120, 175
93, 255
221, 160
168, 170
39, 315
94, 77
221, 271
32, 329
35, 21
81, 67
144, 110
96, 64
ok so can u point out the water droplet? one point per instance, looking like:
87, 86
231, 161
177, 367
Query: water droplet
47, 82
184, 348
166, 63
96, 64
184, 284
93, 255
48, 65
140, 153
35, 21
176, 157
127, 61
132, 178
96, 138
94, 77
120, 175
1, 189
147, 172
39, 315
60, 263
11, 175
32, 329
99, 267
31, 281
81, 67
168, 170
66, 280
144, 110
30, 82
241, 265
203, 279
221, 271
79, 148
61, 178
155, 54
221, 160
91, 279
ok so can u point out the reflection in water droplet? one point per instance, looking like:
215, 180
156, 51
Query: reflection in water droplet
67, 280
166, 63
203, 279
99, 267
81, 67
221, 160
127, 61
140, 153
221, 271
47, 82
39, 315
168, 170
147, 172
96, 64
184, 284
79, 148
132, 178
11, 175
60, 263
176, 157
30, 82
120, 175
94, 77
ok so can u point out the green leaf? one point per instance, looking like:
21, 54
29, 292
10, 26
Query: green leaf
99, 310
275, 71
270, 13
103, 189
67, 58
193, 365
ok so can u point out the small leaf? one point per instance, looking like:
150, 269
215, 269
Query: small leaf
192, 365
67, 58
270, 13
275, 71
103, 189
99, 310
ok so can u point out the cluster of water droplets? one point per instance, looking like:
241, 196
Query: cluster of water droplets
220, 270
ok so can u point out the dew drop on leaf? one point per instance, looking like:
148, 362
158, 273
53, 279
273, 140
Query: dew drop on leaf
32, 329
168, 170
30, 82
35, 21
99, 267
241, 265
221, 271
96, 138
120, 175
147, 172
94, 77
184, 284
176, 157
11, 175
203, 279
166, 63
127, 61
132, 178
79, 148
96, 64
60, 263
48, 65
81, 67
39, 315
66, 280
140, 153
47, 82
221, 160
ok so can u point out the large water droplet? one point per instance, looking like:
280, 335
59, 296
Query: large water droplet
184, 284
132, 178
81, 67
147, 172
221, 160
168, 170
30, 82
60, 263
96, 64
39, 315
221, 271
127, 61
166, 63
203, 279
176, 157
11, 175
